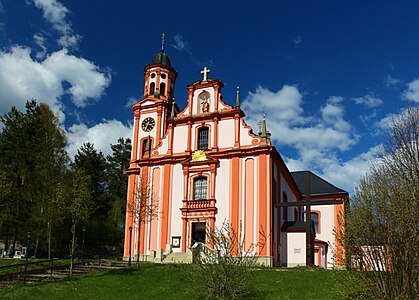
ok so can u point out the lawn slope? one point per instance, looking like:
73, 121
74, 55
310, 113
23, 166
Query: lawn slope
153, 281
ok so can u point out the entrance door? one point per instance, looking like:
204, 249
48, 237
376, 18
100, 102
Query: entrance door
198, 232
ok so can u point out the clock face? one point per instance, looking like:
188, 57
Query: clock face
148, 124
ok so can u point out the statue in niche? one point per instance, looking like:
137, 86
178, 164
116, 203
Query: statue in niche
205, 105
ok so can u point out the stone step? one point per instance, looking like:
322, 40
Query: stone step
178, 258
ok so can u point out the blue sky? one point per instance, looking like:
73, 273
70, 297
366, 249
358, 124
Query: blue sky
328, 74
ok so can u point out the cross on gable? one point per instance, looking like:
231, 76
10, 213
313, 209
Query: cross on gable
205, 71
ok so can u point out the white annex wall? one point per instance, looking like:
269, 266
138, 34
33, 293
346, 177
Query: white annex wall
327, 224
284, 241
296, 251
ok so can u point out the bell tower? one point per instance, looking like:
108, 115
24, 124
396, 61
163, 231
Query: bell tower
153, 111
160, 77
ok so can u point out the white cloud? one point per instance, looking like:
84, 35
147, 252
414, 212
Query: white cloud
333, 113
55, 13
318, 140
180, 44
297, 41
286, 103
101, 135
22, 78
40, 41
69, 41
335, 99
131, 101
289, 126
342, 174
369, 101
346, 175
390, 81
366, 119
385, 124
412, 91
86, 79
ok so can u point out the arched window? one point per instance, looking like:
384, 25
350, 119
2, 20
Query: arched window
200, 188
315, 217
285, 199
162, 89
203, 138
152, 88
145, 148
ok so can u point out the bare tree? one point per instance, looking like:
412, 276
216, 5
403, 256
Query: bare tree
75, 200
382, 225
144, 207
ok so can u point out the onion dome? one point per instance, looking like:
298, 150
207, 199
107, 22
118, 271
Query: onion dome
161, 58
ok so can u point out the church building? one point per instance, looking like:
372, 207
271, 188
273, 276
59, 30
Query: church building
201, 166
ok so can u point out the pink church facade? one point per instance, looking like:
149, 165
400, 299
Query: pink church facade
204, 167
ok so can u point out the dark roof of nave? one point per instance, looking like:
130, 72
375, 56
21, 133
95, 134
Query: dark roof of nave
318, 186
294, 226
162, 58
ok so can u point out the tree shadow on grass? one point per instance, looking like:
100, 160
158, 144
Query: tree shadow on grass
125, 271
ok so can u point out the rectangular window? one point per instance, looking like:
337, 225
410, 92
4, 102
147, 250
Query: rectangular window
200, 188
203, 138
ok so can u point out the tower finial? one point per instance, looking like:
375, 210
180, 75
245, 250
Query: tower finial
163, 35
172, 113
264, 134
263, 126
238, 97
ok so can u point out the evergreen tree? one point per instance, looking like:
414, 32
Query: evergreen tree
118, 162
93, 164
32, 154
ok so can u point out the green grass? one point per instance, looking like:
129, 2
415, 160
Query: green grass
151, 281
16, 265
11, 261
